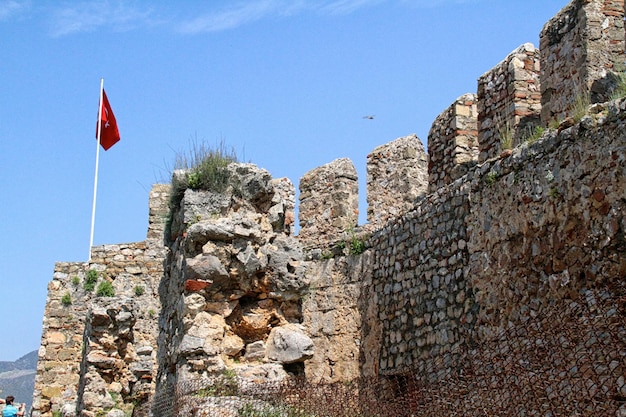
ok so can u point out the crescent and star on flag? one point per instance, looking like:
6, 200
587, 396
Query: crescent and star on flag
109, 132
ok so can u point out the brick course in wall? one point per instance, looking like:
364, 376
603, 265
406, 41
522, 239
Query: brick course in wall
580, 49
509, 102
452, 142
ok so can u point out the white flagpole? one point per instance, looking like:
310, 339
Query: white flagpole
95, 180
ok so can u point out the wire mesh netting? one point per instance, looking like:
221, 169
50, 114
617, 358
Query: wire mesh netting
568, 362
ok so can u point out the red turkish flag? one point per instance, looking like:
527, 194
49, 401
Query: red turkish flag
109, 134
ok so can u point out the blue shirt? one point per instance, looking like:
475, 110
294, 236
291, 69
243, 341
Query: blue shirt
9, 411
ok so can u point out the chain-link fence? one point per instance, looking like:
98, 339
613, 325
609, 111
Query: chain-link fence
571, 361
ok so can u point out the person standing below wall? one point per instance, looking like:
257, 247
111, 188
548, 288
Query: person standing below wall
10, 410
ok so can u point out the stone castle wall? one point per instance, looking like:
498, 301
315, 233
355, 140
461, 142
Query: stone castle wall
77, 370
419, 282
58, 367
496, 238
233, 283
333, 317
553, 220
503, 243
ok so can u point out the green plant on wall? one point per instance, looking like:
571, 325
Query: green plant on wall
491, 178
619, 90
114, 396
75, 280
139, 290
355, 244
103, 412
554, 124
327, 254
205, 168
249, 410
197, 218
91, 277
532, 134
105, 289
194, 180
554, 192
229, 374
577, 111
224, 386
66, 300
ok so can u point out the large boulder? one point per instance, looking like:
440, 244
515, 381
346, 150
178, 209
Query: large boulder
286, 267
205, 267
288, 344
252, 184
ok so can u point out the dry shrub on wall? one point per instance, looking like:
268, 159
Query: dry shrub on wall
201, 167
619, 91
204, 166
505, 132
581, 107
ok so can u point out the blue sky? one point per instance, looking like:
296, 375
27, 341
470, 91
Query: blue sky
285, 83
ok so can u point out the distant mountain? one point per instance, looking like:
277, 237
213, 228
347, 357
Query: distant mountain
18, 378
28, 361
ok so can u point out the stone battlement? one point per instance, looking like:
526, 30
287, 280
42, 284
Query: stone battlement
578, 63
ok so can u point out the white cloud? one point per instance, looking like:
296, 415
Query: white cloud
337, 7
435, 3
231, 18
120, 15
251, 11
89, 16
9, 8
